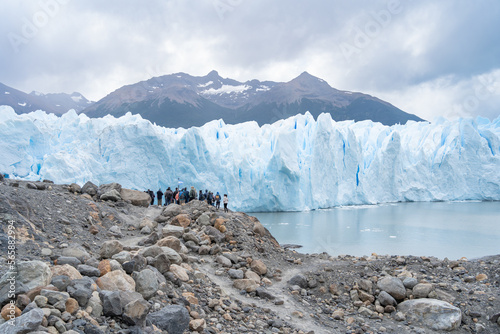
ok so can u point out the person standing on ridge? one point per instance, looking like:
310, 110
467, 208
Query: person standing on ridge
159, 195
217, 201
225, 200
152, 195
176, 195
168, 196
192, 194
201, 197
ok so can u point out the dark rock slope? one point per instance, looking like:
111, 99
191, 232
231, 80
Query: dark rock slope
82, 264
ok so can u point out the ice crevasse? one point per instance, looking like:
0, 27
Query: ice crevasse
294, 164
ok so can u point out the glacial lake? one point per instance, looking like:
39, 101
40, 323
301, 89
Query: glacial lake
440, 229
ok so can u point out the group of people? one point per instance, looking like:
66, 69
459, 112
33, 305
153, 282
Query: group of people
182, 196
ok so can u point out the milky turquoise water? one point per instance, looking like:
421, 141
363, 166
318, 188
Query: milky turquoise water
441, 229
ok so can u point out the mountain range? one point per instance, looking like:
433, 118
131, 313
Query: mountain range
57, 103
182, 100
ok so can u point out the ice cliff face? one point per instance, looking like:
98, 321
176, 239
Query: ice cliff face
294, 164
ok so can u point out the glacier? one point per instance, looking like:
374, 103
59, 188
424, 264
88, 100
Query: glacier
294, 164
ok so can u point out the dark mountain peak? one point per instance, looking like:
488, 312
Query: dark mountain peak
213, 73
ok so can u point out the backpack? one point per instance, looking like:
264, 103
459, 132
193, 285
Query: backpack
217, 198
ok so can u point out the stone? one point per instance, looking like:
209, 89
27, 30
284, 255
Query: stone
112, 195
399, 316
115, 231
66, 270
71, 260
136, 197
146, 283
481, 277
10, 311
441, 295
111, 303
393, 286
95, 304
75, 250
162, 263
110, 248
236, 273
41, 301
259, 267
253, 276
54, 297
116, 280
338, 314
72, 305
170, 211
172, 255
386, 299
191, 298
365, 296
214, 234
422, 290
181, 220
26, 323
264, 293
135, 312
191, 237
81, 290
434, 314
89, 188
122, 257
410, 282
204, 250
366, 285
259, 229
30, 274
219, 224
104, 188
245, 284
179, 272
197, 325
300, 280
75, 188
224, 261
173, 318
104, 267
171, 242
30, 185
203, 220
89, 271
172, 230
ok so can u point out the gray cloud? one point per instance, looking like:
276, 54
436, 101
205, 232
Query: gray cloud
415, 54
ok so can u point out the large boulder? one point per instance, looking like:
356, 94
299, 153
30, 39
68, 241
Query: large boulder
116, 280
181, 220
89, 188
393, 286
173, 318
110, 248
146, 283
136, 197
104, 188
30, 274
114, 302
435, 314
26, 323
112, 195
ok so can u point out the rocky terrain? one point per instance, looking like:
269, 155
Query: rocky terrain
100, 260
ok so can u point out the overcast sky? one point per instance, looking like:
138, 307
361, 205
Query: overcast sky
429, 58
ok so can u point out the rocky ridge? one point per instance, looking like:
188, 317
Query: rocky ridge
100, 260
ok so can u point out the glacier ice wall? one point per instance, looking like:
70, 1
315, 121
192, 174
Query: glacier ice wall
294, 164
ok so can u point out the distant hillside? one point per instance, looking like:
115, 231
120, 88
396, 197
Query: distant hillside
182, 100
58, 103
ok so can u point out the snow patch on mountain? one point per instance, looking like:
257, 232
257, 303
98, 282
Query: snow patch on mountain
226, 89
